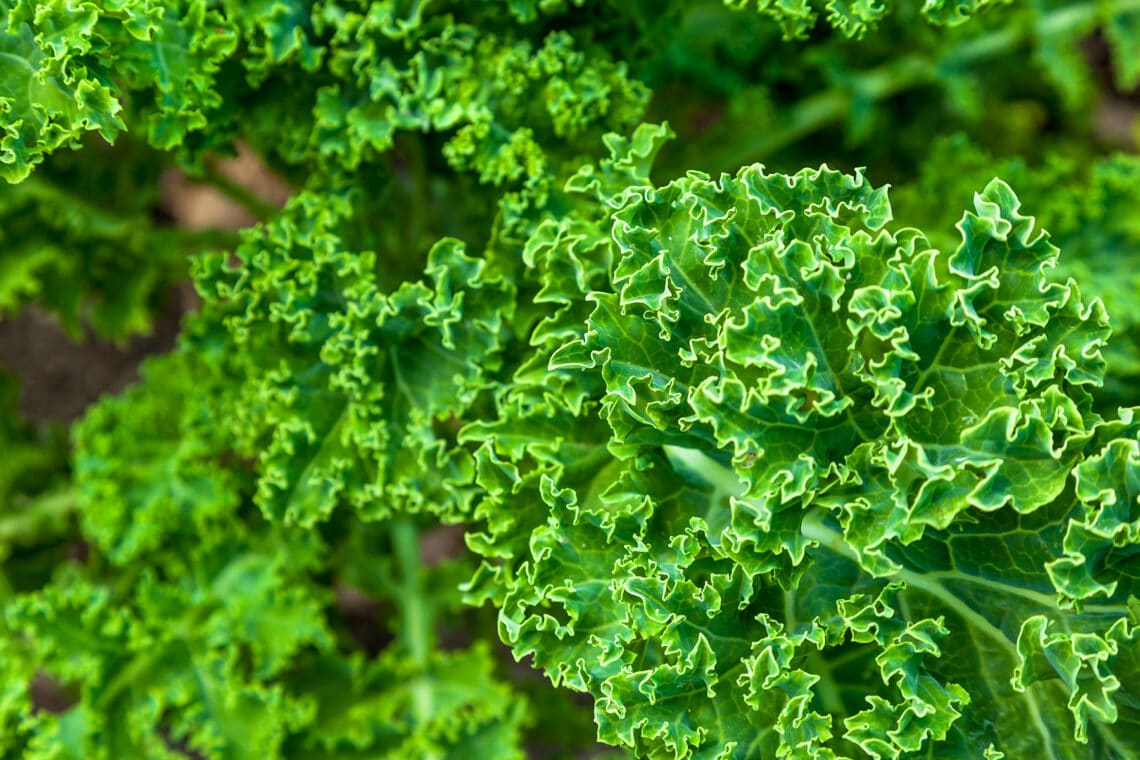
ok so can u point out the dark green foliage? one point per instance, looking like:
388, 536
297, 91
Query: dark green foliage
770, 463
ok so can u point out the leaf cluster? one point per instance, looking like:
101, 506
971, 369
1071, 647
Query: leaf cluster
762, 461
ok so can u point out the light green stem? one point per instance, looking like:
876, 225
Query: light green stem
826, 687
814, 529
239, 194
24, 521
104, 223
416, 630
814, 113
415, 619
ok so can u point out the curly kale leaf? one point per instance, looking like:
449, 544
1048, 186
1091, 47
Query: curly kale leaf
329, 84
1084, 203
853, 18
68, 64
815, 487
195, 626
347, 389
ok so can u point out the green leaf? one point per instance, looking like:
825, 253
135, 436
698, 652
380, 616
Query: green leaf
346, 393
1123, 33
853, 18
834, 513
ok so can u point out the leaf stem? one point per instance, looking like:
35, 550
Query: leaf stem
826, 687
415, 618
416, 630
238, 193
818, 111
25, 519
196, 241
103, 223
814, 529
814, 113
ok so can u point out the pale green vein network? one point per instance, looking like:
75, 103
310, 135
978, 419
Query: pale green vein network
813, 528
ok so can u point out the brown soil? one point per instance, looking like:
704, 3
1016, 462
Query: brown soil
59, 377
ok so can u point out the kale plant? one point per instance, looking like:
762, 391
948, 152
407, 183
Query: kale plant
649, 379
